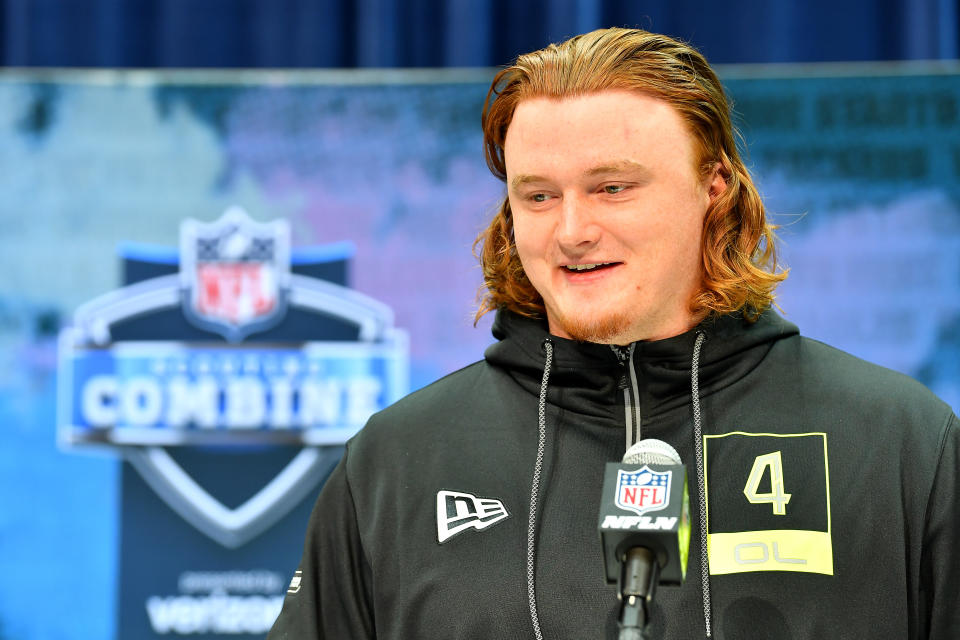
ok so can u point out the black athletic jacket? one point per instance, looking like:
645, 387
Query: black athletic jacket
861, 461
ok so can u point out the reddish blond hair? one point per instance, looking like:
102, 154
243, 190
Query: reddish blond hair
739, 266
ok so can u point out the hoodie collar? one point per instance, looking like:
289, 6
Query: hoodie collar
585, 375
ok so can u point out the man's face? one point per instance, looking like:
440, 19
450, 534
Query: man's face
608, 208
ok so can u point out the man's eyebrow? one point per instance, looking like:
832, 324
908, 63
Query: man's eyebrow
616, 167
520, 180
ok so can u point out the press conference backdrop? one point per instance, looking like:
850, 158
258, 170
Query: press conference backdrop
380, 179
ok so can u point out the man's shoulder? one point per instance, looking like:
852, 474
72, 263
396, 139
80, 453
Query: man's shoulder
839, 375
442, 395
423, 437
839, 366
451, 399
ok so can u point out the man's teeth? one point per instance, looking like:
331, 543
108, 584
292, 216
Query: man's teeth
586, 267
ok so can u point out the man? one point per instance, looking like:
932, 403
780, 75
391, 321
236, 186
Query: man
632, 271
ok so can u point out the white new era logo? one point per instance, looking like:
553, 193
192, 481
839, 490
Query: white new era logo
457, 512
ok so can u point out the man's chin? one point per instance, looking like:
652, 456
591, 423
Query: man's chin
603, 329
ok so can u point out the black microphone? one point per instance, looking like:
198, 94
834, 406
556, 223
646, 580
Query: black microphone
645, 528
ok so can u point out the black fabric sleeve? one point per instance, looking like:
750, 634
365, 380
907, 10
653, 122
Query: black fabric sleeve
333, 601
940, 561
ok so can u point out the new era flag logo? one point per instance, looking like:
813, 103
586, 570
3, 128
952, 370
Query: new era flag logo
643, 490
457, 512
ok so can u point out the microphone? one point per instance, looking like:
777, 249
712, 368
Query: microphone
644, 528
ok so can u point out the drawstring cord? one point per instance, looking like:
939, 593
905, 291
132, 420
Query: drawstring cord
698, 447
538, 468
535, 491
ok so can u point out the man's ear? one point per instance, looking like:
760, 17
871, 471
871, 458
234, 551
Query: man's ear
717, 182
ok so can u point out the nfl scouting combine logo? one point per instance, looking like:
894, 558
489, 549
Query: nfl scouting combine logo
234, 341
643, 490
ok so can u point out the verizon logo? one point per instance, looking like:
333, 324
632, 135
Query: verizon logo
457, 512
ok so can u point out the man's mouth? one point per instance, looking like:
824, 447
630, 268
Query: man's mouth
593, 266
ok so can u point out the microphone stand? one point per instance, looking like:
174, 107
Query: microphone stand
638, 583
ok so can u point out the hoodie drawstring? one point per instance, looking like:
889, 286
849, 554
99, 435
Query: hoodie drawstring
538, 468
698, 447
535, 492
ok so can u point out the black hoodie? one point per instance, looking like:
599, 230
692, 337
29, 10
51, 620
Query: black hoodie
830, 496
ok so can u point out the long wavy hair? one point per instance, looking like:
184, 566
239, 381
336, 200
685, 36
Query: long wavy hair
739, 265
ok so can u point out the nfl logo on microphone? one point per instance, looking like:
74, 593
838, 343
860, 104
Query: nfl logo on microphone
643, 490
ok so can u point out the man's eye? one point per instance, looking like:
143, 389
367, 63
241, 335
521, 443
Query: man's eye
539, 197
614, 188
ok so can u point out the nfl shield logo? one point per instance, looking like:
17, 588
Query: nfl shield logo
234, 273
643, 490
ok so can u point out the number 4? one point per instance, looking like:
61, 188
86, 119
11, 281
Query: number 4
775, 496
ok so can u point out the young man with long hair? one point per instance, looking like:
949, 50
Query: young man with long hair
632, 269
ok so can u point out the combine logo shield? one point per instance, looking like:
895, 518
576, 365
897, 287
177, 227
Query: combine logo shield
234, 344
643, 490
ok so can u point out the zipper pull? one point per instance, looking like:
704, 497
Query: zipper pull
623, 355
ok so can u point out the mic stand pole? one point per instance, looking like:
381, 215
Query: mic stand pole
638, 583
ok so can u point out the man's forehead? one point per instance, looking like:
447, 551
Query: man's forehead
607, 108
610, 131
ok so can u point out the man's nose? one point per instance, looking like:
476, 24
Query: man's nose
577, 228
